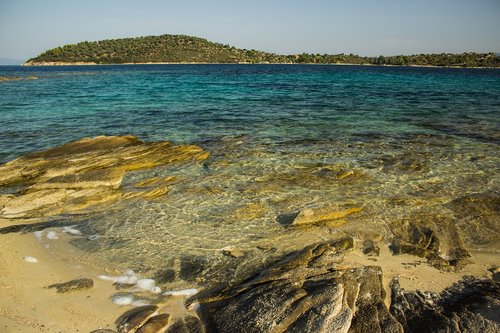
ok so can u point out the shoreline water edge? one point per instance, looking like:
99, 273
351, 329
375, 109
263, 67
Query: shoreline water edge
59, 63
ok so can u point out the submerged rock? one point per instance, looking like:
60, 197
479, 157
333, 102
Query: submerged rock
477, 216
86, 173
191, 267
73, 285
164, 276
419, 240
370, 249
470, 305
331, 216
232, 252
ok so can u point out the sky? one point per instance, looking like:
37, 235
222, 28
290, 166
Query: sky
364, 27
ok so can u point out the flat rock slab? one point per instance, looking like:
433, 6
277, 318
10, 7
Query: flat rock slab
86, 173
331, 216
73, 285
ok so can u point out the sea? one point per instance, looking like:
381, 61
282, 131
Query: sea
399, 142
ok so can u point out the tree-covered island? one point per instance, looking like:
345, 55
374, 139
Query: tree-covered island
187, 49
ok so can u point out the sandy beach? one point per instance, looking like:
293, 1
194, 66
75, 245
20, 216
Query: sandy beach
27, 305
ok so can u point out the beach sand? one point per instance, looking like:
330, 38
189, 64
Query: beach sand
27, 305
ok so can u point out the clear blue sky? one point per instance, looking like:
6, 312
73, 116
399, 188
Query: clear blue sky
365, 27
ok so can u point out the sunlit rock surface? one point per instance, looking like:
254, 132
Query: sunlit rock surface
86, 173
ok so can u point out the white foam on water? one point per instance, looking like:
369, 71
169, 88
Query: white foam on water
30, 259
71, 230
52, 235
185, 292
123, 300
105, 277
93, 237
156, 290
146, 284
38, 235
129, 277
139, 302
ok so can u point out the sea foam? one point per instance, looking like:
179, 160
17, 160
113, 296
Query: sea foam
30, 259
131, 278
185, 292
38, 235
52, 235
70, 229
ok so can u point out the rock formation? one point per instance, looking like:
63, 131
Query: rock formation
85, 173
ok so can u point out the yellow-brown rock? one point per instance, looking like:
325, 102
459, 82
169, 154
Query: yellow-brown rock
251, 211
85, 173
155, 181
330, 215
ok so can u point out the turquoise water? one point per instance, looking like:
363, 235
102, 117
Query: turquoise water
417, 139
271, 103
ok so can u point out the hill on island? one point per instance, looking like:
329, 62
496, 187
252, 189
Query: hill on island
188, 49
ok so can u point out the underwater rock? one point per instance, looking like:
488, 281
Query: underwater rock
419, 240
302, 292
370, 249
407, 162
164, 276
150, 182
191, 267
73, 285
232, 252
349, 175
134, 318
477, 216
86, 173
470, 305
287, 218
332, 216
250, 211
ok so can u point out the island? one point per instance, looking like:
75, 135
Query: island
187, 49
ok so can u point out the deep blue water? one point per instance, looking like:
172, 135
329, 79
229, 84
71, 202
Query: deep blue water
269, 103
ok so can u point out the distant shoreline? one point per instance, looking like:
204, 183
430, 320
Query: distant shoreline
60, 63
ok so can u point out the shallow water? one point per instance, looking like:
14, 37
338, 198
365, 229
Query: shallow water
402, 143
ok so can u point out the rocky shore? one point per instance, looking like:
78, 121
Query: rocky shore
328, 280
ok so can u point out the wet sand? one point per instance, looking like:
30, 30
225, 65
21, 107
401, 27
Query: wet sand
27, 305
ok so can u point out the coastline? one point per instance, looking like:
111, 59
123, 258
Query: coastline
60, 63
